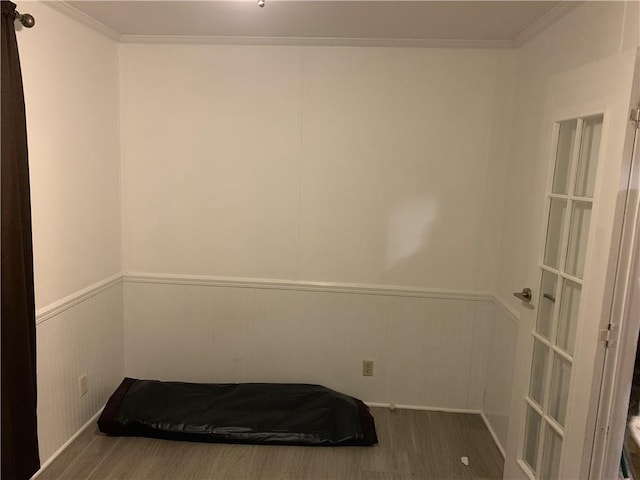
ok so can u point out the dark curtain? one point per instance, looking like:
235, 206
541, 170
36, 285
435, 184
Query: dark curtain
20, 458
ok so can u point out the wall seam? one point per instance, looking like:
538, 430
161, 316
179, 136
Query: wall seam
300, 161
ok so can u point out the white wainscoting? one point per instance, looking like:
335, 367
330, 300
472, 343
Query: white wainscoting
80, 334
434, 349
502, 335
428, 347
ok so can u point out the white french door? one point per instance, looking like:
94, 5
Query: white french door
556, 386
569, 208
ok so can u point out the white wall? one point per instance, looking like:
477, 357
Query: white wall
356, 165
71, 92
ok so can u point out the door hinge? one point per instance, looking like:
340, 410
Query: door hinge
608, 335
635, 116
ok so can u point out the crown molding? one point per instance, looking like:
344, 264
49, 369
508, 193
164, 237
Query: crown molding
544, 22
316, 41
540, 25
87, 20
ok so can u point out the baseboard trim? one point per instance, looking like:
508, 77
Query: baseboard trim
447, 410
493, 434
423, 408
93, 419
44, 314
58, 452
326, 287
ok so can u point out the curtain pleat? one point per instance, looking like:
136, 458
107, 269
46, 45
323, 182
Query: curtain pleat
20, 459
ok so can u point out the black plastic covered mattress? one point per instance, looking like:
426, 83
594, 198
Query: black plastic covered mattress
269, 413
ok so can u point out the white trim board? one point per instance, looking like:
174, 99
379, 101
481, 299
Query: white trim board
84, 19
94, 418
45, 313
446, 410
512, 313
58, 452
317, 41
533, 30
327, 287
53, 309
544, 22
423, 408
493, 434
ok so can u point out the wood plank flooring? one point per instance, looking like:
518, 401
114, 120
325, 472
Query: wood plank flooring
413, 445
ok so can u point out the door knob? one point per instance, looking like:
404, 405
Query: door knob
525, 295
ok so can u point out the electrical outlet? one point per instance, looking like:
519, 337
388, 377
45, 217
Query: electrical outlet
367, 368
82, 384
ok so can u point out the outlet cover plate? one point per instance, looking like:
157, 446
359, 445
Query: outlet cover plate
367, 368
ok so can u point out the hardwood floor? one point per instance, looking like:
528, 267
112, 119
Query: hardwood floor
413, 445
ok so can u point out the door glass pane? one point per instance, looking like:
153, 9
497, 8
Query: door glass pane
588, 162
561, 373
563, 156
554, 232
568, 316
546, 303
551, 454
531, 435
538, 371
578, 235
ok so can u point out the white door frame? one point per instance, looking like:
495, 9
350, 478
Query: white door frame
619, 362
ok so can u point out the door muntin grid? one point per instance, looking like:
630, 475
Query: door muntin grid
569, 204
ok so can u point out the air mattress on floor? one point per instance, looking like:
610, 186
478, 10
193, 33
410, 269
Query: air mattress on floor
262, 413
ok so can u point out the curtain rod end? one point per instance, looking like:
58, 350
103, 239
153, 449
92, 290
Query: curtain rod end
25, 19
